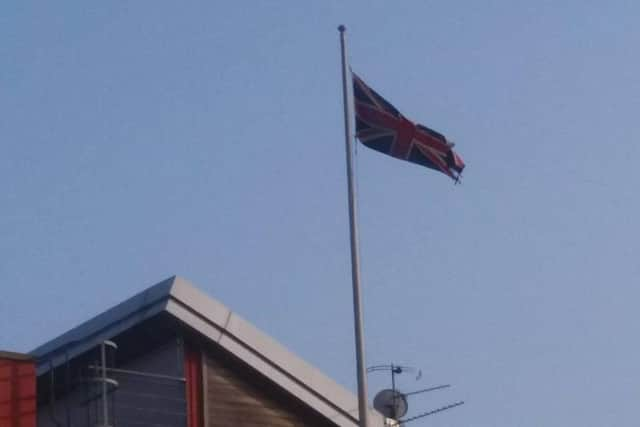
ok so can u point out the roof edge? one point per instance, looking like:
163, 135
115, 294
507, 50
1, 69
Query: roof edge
11, 355
142, 305
263, 353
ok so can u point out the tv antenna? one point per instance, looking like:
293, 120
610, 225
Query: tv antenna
393, 403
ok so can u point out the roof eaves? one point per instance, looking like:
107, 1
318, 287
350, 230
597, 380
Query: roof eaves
104, 326
10, 355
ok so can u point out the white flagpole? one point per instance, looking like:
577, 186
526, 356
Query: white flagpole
353, 227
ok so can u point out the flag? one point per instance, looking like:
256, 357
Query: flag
383, 128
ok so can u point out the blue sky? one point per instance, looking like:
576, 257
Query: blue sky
144, 139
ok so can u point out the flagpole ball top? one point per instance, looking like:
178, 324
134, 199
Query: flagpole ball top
342, 28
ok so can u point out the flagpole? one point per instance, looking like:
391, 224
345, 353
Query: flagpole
353, 228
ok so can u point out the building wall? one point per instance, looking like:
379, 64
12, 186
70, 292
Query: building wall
236, 397
17, 391
152, 395
157, 398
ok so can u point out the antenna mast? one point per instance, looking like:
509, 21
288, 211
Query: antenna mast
393, 404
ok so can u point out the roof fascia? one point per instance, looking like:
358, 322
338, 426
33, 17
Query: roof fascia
104, 326
258, 350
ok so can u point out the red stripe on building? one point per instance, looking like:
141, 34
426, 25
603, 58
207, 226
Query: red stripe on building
193, 377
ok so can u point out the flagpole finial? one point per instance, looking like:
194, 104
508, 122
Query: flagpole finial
342, 28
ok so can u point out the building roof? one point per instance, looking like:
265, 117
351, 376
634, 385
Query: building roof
9, 355
178, 298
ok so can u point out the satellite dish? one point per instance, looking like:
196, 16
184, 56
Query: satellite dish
391, 403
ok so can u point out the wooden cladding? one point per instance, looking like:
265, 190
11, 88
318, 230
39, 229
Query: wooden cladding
236, 396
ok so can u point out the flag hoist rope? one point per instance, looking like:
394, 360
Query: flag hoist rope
353, 227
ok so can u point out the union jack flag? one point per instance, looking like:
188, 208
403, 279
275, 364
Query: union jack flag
383, 128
